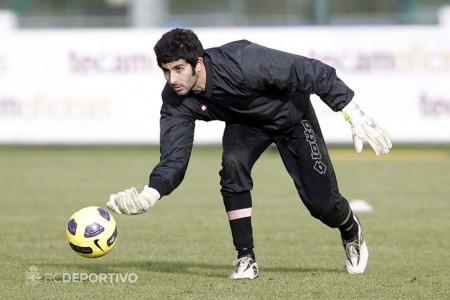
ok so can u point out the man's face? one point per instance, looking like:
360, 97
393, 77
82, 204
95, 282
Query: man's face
179, 76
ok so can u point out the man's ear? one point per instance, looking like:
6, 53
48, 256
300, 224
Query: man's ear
200, 65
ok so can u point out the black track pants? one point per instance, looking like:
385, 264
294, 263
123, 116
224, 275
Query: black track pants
305, 156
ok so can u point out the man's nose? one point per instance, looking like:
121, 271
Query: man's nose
173, 78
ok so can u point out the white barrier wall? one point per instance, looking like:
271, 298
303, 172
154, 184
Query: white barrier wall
103, 86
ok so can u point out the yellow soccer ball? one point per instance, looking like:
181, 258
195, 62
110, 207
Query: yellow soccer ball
91, 232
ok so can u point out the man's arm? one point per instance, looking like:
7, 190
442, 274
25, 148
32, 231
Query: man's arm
266, 68
176, 140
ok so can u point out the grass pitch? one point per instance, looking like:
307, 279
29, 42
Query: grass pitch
182, 249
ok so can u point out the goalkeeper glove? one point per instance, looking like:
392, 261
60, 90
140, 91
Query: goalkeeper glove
364, 128
129, 202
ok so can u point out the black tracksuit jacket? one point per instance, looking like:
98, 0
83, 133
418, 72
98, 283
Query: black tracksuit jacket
246, 83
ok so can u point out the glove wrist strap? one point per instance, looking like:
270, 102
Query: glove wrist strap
352, 111
151, 195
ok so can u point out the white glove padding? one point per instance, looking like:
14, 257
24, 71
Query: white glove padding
365, 128
129, 202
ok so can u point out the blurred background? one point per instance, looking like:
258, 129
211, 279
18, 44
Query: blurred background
194, 13
84, 72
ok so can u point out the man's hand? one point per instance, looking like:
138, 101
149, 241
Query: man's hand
365, 128
129, 202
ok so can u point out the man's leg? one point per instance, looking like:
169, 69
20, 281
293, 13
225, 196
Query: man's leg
242, 146
305, 155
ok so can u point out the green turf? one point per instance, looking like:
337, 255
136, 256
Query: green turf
182, 249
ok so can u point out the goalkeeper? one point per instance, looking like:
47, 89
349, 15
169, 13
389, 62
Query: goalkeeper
263, 96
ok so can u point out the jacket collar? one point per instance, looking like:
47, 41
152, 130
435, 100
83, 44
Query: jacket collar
209, 77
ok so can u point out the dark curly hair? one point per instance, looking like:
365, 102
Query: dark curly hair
178, 44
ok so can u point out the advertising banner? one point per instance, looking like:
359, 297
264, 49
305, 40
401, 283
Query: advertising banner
104, 86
